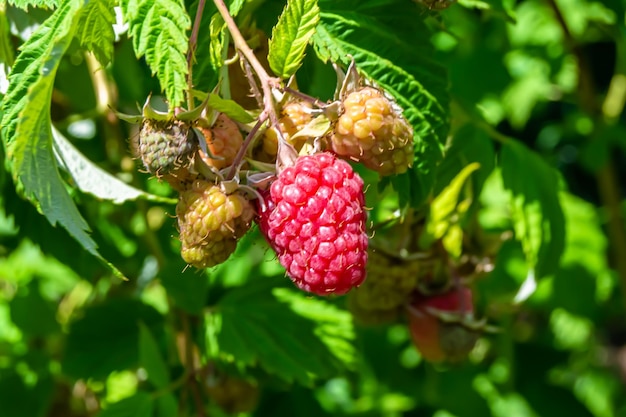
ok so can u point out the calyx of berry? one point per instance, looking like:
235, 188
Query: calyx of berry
443, 327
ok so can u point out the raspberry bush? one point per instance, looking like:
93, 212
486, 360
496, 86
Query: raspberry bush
278, 208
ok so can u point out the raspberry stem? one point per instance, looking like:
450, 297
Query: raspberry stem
313, 100
242, 47
267, 83
253, 85
244, 147
193, 43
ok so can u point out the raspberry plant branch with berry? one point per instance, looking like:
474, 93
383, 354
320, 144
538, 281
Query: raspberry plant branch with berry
355, 207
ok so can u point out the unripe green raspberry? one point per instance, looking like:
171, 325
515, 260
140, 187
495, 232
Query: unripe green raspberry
389, 282
371, 131
368, 317
210, 222
165, 146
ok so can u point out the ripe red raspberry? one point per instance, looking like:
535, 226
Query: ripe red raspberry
372, 132
223, 142
442, 326
314, 219
210, 222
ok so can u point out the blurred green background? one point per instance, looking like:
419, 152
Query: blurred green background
77, 341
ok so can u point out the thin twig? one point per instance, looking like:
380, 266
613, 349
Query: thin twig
244, 147
252, 82
313, 100
192, 382
193, 44
267, 82
240, 42
586, 87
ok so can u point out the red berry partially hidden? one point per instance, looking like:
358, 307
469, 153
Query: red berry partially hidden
439, 325
314, 219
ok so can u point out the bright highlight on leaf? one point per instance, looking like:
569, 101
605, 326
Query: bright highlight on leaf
25, 4
95, 28
291, 36
159, 31
27, 128
92, 179
535, 208
446, 211
230, 108
296, 338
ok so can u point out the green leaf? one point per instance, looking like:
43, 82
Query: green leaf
217, 37
19, 398
537, 216
29, 303
35, 63
334, 326
469, 144
391, 45
230, 108
166, 406
159, 32
150, 358
445, 211
6, 49
95, 28
189, 291
139, 405
291, 35
106, 338
25, 4
499, 7
258, 325
92, 179
26, 129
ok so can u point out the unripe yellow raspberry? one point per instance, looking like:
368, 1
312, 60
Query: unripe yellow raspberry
371, 131
210, 223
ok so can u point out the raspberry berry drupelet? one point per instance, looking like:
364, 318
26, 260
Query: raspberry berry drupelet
210, 223
314, 219
372, 131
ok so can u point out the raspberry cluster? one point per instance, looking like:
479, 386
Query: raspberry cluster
442, 326
292, 175
288, 165
188, 152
